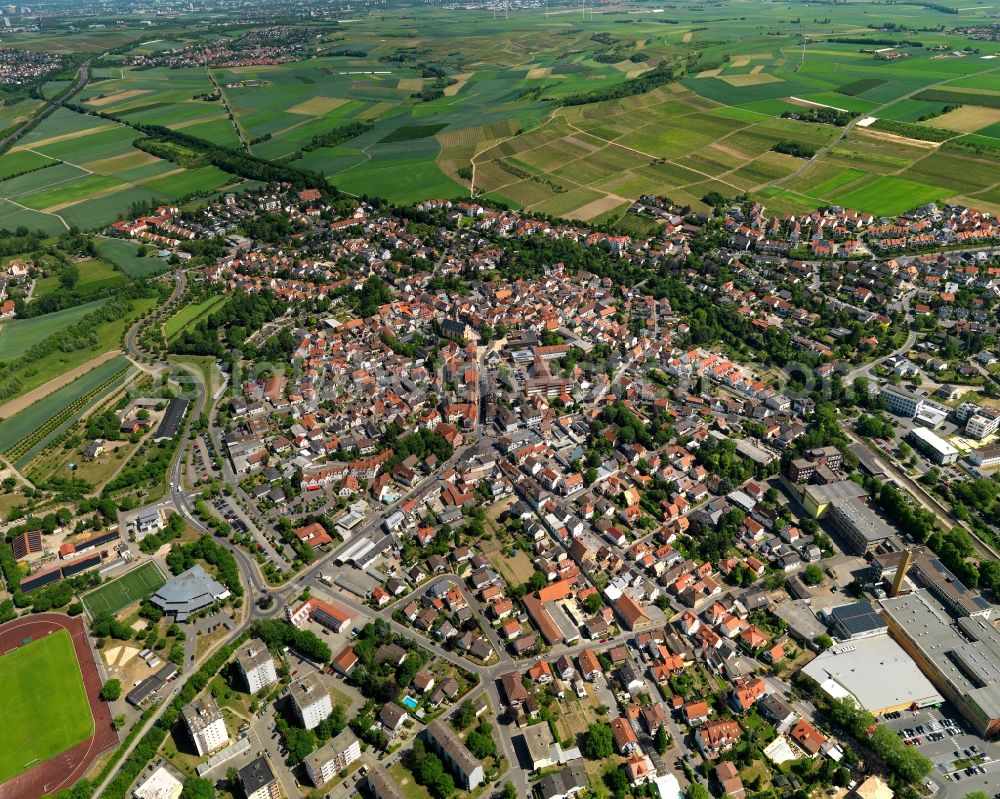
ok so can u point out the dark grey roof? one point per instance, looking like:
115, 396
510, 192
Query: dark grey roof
188, 592
573, 777
172, 418
255, 775
450, 743
857, 618
382, 785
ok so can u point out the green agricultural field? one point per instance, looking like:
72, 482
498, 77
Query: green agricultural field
888, 196
58, 363
95, 275
25, 434
123, 254
22, 161
190, 314
44, 705
123, 591
94, 172
516, 97
18, 335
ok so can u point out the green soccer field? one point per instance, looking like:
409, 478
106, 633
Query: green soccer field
43, 707
123, 591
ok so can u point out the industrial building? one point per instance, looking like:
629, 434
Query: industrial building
857, 620
933, 446
960, 656
858, 524
876, 672
816, 499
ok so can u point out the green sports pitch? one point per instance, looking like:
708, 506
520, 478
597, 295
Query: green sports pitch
43, 708
123, 591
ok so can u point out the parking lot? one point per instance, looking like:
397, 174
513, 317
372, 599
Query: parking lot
963, 762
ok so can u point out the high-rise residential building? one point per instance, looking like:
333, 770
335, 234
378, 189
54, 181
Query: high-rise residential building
205, 725
311, 701
256, 665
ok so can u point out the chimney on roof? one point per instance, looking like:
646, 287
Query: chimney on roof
904, 565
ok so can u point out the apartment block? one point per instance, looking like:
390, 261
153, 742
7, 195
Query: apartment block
336, 755
459, 760
205, 725
258, 781
311, 701
256, 665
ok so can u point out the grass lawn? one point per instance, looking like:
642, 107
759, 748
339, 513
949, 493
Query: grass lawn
95, 276
58, 363
190, 314
406, 781
123, 591
55, 462
17, 336
44, 705
123, 254
210, 374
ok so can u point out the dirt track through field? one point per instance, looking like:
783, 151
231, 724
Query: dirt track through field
18, 404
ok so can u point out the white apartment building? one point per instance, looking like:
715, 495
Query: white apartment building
256, 665
258, 781
205, 725
338, 753
900, 401
311, 701
981, 425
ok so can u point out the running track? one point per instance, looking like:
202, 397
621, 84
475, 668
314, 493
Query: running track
66, 769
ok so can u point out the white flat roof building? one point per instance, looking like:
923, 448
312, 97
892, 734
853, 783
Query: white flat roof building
161, 784
933, 446
876, 672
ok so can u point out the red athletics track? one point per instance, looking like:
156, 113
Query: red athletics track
65, 769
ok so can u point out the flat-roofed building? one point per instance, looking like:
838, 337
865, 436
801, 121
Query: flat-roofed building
856, 620
816, 499
876, 672
256, 665
858, 524
961, 657
933, 446
205, 725
258, 781
163, 783
538, 744
334, 756
459, 760
310, 701
900, 401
